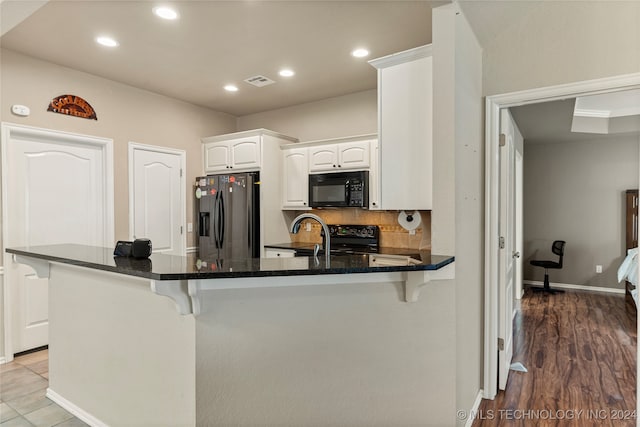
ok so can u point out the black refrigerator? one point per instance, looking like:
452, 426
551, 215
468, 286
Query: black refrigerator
228, 216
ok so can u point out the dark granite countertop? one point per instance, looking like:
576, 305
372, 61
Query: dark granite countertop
172, 267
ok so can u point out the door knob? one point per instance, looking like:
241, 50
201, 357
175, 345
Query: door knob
516, 254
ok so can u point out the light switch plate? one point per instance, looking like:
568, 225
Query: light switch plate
20, 110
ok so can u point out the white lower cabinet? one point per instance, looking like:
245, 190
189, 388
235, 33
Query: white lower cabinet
279, 253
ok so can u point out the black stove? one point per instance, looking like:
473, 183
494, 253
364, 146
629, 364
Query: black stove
349, 239
354, 238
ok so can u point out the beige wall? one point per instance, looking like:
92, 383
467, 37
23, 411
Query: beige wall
354, 114
561, 42
124, 114
575, 192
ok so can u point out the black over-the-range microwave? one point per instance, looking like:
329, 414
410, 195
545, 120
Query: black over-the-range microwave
339, 189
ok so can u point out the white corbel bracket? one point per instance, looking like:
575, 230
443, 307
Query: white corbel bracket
175, 290
40, 266
414, 280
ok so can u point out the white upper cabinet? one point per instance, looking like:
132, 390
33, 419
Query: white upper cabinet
374, 181
331, 155
242, 154
405, 111
323, 158
295, 178
341, 156
354, 155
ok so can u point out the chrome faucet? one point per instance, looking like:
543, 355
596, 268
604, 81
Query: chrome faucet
295, 227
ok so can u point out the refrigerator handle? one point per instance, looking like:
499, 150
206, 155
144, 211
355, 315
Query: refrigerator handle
216, 220
221, 223
203, 226
249, 222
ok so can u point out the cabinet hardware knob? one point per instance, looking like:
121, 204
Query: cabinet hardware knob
334, 166
339, 166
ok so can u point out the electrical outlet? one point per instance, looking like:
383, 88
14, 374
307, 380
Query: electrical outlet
308, 226
190, 227
598, 269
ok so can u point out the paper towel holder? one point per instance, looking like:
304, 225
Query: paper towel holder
409, 221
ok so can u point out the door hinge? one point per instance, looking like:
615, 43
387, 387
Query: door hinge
500, 344
501, 242
181, 229
180, 172
503, 140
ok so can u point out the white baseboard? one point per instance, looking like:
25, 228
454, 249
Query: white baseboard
75, 410
3, 360
192, 249
576, 287
474, 410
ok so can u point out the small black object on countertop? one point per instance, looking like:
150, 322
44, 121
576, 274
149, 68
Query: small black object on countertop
172, 267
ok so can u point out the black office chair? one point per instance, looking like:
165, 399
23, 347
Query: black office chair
557, 248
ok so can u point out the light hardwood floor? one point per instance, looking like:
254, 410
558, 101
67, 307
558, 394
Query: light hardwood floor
580, 352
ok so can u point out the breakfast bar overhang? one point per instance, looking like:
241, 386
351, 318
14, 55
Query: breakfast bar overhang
181, 341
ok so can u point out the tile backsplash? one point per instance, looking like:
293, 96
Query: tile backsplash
392, 234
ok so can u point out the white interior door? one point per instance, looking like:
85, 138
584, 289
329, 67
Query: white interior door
508, 253
157, 197
519, 169
58, 188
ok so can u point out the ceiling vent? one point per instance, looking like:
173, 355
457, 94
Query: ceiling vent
259, 81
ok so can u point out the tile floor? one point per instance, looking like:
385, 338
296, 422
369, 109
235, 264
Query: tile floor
23, 384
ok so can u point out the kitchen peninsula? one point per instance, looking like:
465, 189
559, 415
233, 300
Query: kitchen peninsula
279, 341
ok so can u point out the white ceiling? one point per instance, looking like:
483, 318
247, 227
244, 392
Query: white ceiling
551, 122
219, 42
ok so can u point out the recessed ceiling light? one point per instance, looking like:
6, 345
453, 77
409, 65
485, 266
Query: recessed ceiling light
165, 12
231, 88
107, 41
286, 72
360, 53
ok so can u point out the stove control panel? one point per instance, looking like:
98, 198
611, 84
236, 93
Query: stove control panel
365, 232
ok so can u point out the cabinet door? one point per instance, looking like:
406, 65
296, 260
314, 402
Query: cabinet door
216, 157
354, 155
323, 158
405, 96
374, 178
295, 178
245, 153
279, 253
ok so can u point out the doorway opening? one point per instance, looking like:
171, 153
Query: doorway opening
494, 106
